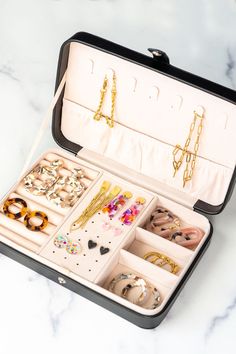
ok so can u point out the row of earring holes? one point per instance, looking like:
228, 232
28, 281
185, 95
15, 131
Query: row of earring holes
80, 240
78, 263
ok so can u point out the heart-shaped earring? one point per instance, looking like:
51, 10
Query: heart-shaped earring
104, 250
91, 244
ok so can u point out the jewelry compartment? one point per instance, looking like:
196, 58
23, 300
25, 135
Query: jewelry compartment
182, 218
146, 242
102, 236
156, 277
15, 229
103, 251
140, 241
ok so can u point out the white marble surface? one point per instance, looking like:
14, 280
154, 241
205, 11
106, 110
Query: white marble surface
40, 316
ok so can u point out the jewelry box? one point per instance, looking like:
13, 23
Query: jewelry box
123, 118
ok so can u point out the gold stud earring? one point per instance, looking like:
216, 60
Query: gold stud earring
190, 157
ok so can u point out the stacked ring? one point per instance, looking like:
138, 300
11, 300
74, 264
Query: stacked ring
147, 290
165, 224
162, 222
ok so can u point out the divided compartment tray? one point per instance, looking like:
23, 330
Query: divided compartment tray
125, 250
127, 262
146, 241
16, 231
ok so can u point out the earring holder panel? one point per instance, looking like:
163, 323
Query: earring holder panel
90, 262
15, 230
143, 154
83, 88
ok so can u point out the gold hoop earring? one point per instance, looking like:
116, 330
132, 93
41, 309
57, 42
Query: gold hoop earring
185, 153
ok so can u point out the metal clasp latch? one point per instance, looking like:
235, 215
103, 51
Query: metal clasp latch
61, 280
159, 55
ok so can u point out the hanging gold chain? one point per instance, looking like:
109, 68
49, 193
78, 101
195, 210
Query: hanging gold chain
98, 114
110, 121
190, 156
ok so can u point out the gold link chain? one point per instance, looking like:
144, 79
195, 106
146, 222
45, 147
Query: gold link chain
98, 114
190, 156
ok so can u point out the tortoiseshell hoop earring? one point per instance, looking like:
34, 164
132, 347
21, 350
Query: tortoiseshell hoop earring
15, 201
38, 214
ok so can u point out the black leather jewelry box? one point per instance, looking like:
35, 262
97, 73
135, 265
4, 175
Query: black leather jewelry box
154, 109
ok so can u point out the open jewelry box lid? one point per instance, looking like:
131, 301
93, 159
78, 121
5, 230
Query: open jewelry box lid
154, 109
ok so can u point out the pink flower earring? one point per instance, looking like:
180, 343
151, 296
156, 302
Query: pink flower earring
106, 225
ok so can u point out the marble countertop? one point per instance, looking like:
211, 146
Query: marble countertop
38, 315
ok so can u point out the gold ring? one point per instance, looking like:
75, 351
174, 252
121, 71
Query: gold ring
153, 257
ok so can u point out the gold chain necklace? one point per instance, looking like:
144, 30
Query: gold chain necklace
190, 156
98, 114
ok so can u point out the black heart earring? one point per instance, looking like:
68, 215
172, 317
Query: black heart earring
91, 244
104, 250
